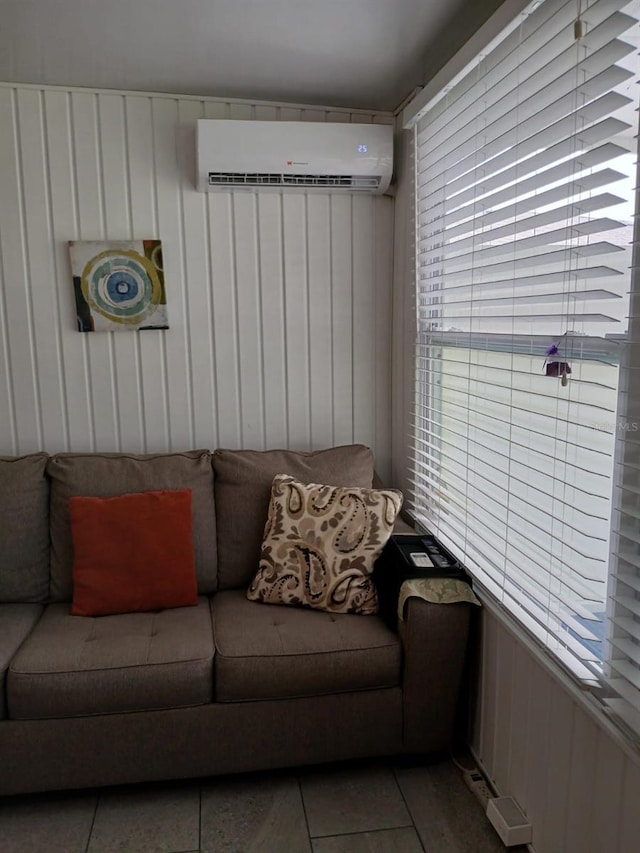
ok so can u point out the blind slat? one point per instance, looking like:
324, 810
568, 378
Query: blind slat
536, 187
522, 257
516, 301
430, 199
504, 149
630, 604
628, 624
568, 142
448, 227
528, 224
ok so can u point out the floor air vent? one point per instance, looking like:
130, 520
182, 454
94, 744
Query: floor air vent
265, 179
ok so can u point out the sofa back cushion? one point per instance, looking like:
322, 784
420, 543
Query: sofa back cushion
24, 529
243, 481
107, 475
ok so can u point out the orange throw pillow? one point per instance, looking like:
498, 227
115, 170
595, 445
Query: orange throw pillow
132, 553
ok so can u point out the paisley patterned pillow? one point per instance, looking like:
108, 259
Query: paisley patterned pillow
320, 544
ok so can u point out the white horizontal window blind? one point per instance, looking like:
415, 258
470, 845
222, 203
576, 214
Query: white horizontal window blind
525, 175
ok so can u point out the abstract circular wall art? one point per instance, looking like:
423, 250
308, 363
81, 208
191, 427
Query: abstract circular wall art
118, 285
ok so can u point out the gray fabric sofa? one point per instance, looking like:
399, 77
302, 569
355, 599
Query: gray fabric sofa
227, 686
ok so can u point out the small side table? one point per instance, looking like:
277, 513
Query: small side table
411, 556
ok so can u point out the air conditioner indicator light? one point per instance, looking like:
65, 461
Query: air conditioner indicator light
362, 149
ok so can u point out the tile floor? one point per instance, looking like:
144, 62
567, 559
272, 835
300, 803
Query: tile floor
357, 808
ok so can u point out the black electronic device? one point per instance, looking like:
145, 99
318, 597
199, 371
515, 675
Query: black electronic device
411, 556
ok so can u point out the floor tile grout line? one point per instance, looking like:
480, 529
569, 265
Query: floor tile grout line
304, 812
364, 832
93, 823
408, 808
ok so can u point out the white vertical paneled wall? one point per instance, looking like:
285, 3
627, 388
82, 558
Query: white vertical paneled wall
279, 305
575, 778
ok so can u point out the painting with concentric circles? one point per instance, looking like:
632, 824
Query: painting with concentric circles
118, 285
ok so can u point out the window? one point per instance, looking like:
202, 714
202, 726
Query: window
526, 430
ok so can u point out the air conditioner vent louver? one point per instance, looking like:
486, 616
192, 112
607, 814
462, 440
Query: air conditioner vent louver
257, 179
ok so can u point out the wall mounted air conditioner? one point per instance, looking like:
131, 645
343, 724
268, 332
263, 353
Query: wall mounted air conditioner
301, 156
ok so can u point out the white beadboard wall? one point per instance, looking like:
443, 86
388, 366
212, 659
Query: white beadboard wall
575, 778
279, 305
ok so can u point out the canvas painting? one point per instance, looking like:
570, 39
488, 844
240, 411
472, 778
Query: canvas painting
118, 285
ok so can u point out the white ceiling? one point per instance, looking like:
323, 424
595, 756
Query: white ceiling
353, 53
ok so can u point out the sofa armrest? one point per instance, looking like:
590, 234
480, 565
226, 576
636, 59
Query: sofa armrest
434, 639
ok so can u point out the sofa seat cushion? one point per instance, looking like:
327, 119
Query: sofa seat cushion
243, 480
16, 622
24, 529
77, 666
271, 652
